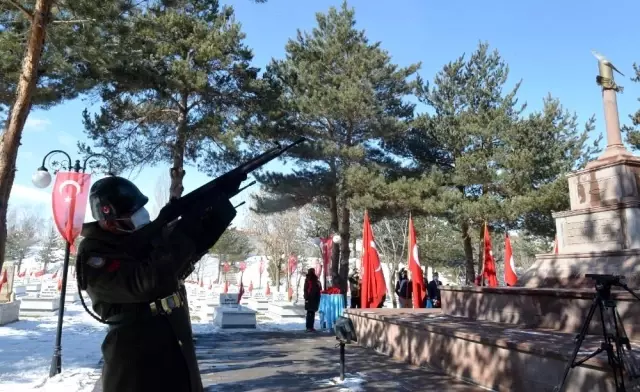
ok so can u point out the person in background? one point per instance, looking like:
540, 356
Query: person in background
434, 291
354, 283
312, 289
403, 289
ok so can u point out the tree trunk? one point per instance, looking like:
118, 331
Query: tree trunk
177, 172
468, 253
335, 251
345, 252
481, 251
10, 140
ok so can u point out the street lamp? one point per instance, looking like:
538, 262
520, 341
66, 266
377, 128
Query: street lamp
41, 179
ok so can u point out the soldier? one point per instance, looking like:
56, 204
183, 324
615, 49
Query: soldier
149, 345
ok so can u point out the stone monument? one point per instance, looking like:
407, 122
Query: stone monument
9, 306
601, 232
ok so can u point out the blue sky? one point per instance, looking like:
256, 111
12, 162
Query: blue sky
546, 43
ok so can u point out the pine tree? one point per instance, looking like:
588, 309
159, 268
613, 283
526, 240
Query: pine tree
475, 157
345, 95
233, 245
47, 55
52, 244
632, 131
181, 94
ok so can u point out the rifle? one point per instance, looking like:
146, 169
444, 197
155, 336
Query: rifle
209, 204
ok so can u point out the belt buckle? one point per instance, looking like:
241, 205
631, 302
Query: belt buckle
169, 303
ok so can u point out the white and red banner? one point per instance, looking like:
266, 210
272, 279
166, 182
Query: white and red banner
69, 201
510, 277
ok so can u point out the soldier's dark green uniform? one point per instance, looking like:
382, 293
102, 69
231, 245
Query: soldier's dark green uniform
150, 347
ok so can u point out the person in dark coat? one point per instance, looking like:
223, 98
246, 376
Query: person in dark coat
312, 289
403, 289
434, 290
149, 345
354, 282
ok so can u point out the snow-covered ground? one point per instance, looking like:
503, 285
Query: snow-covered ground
26, 348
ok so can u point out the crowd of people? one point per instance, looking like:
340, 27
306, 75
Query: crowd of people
403, 290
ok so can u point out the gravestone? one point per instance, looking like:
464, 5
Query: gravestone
286, 311
230, 314
45, 303
258, 302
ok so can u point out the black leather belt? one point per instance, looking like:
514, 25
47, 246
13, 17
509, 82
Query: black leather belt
162, 306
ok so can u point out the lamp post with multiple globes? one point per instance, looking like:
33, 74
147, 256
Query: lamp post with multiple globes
42, 179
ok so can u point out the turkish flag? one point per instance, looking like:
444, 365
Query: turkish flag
373, 287
510, 277
22, 274
319, 268
59, 284
417, 279
226, 287
69, 201
327, 249
268, 291
55, 275
293, 262
489, 265
4, 279
555, 246
250, 286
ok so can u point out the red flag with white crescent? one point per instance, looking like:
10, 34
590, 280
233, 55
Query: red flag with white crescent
417, 279
373, 287
489, 266
3, 279
510, 277
327, 249
69, 202
293, 263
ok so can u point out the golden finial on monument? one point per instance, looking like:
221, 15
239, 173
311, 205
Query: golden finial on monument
605, 77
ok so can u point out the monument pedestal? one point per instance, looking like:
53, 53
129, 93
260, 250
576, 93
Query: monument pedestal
601, 232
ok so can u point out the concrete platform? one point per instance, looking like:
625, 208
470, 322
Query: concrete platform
562, 310
500, 357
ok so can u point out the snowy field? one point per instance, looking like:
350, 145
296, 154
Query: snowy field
26, 348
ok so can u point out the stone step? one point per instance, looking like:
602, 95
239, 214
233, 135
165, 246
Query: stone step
500, 357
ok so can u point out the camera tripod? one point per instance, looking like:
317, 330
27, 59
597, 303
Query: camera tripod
615, 341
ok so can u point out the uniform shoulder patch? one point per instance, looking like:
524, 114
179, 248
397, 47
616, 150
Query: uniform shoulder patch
96, 262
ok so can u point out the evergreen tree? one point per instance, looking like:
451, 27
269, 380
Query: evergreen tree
233, 245
47, 55
633, 132
475, 157
182, 92
345, 95
52, 244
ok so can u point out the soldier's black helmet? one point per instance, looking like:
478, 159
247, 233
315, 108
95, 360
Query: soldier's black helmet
115, 198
